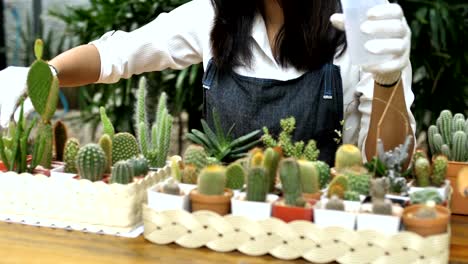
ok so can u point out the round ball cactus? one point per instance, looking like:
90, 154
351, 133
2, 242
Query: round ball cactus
347, 156
235, 176
122, 173
196, 155
91, 162
124, 147
212, 180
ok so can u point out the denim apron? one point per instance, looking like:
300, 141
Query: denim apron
315, 99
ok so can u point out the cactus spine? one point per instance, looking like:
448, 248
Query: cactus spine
124, 147
270, 163
91, 162
291, 181
60, 138
105, 142
257, 185
212, 180
72, 146
335, 204
139, 165
422, 169
235, 176
439, 169
445, 126
347, 156
122, 173
309, 177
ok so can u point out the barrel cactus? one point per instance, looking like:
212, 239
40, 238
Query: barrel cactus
235, 176
347, 156
449, 136
310, 178
195, 155
324, 172
91, 162
358, 181
257, 185
212, 180
351, 196
122, 173
439, 170
140, 166
72, 146
291, 181
124, 147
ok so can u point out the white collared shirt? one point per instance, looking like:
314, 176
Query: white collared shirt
181, 38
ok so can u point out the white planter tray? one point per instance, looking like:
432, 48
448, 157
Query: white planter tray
253, 210
159, 201
75, 204
443, 191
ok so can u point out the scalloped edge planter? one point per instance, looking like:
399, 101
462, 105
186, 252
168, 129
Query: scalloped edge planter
386, 224
252, 210
75, 204
443, 191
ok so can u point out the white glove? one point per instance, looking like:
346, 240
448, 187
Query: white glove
12, 87
391, 36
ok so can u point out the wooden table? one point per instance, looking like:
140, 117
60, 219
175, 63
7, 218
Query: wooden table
26, 244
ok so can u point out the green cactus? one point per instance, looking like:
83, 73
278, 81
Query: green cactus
122, 173
351, 196
459, 124
270, 163
291, 182
422, 170
124, 147
427, 194
171, 187
347, 156
338, 186
445, 126
432, 130
428, 211
46, 134
72, 146
459, 146
445, 150
139, 165
105, 142
310, 178
196, 155
358, 182
106, 123
212, 180
257, 185
60, 137
190, 174
235, 176
438, 142
324, 172
439, 169
91, 162
335, 203
141, 116
382, 207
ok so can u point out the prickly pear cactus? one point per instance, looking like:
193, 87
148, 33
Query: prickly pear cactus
72, 146
122, 173
91, 162
257, 185
106, 144
347, 156
60, 138
212, 180
124, 147
310, 178
235, 176
422, 170
291, 181
439, 170
270, 163
335, 203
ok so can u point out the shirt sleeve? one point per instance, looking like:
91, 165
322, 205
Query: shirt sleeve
173, 40
366, 87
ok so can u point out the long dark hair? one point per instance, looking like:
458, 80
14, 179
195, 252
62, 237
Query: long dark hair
306, 41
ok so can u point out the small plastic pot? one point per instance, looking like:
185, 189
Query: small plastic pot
291, 213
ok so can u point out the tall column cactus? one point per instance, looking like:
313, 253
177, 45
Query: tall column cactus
154, 145
106, 144
270, 163
291, 181
257, 185
72, 146
43, 90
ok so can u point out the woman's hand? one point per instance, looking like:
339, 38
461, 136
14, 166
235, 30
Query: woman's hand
391, 36
12, 87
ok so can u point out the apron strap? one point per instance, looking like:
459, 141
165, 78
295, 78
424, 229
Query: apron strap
328, 89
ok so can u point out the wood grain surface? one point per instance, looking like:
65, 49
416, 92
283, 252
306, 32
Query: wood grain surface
26, 244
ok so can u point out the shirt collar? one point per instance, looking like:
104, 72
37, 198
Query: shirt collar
260, 35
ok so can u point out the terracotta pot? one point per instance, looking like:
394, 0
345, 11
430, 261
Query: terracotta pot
3, 168
459, 204
220, 204
291, 213
312, 196
426, 227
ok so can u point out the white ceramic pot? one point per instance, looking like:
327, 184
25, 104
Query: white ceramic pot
443, 190
325, 218
60, 173
252, 210
387, 224
162, 202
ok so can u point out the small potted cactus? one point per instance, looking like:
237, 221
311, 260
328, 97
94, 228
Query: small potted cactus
310, 180
426, 219
449, 137
347, 156
381, 215
91, 162
427, 194
69, 170
255, 203
430, 176
334, 212
293, 206
170, 195
211, 193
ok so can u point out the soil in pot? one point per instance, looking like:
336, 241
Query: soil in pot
220, 204
290, 213
426, 227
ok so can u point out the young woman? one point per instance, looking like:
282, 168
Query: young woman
265, 60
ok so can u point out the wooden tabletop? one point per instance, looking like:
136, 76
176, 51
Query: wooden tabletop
27, 244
